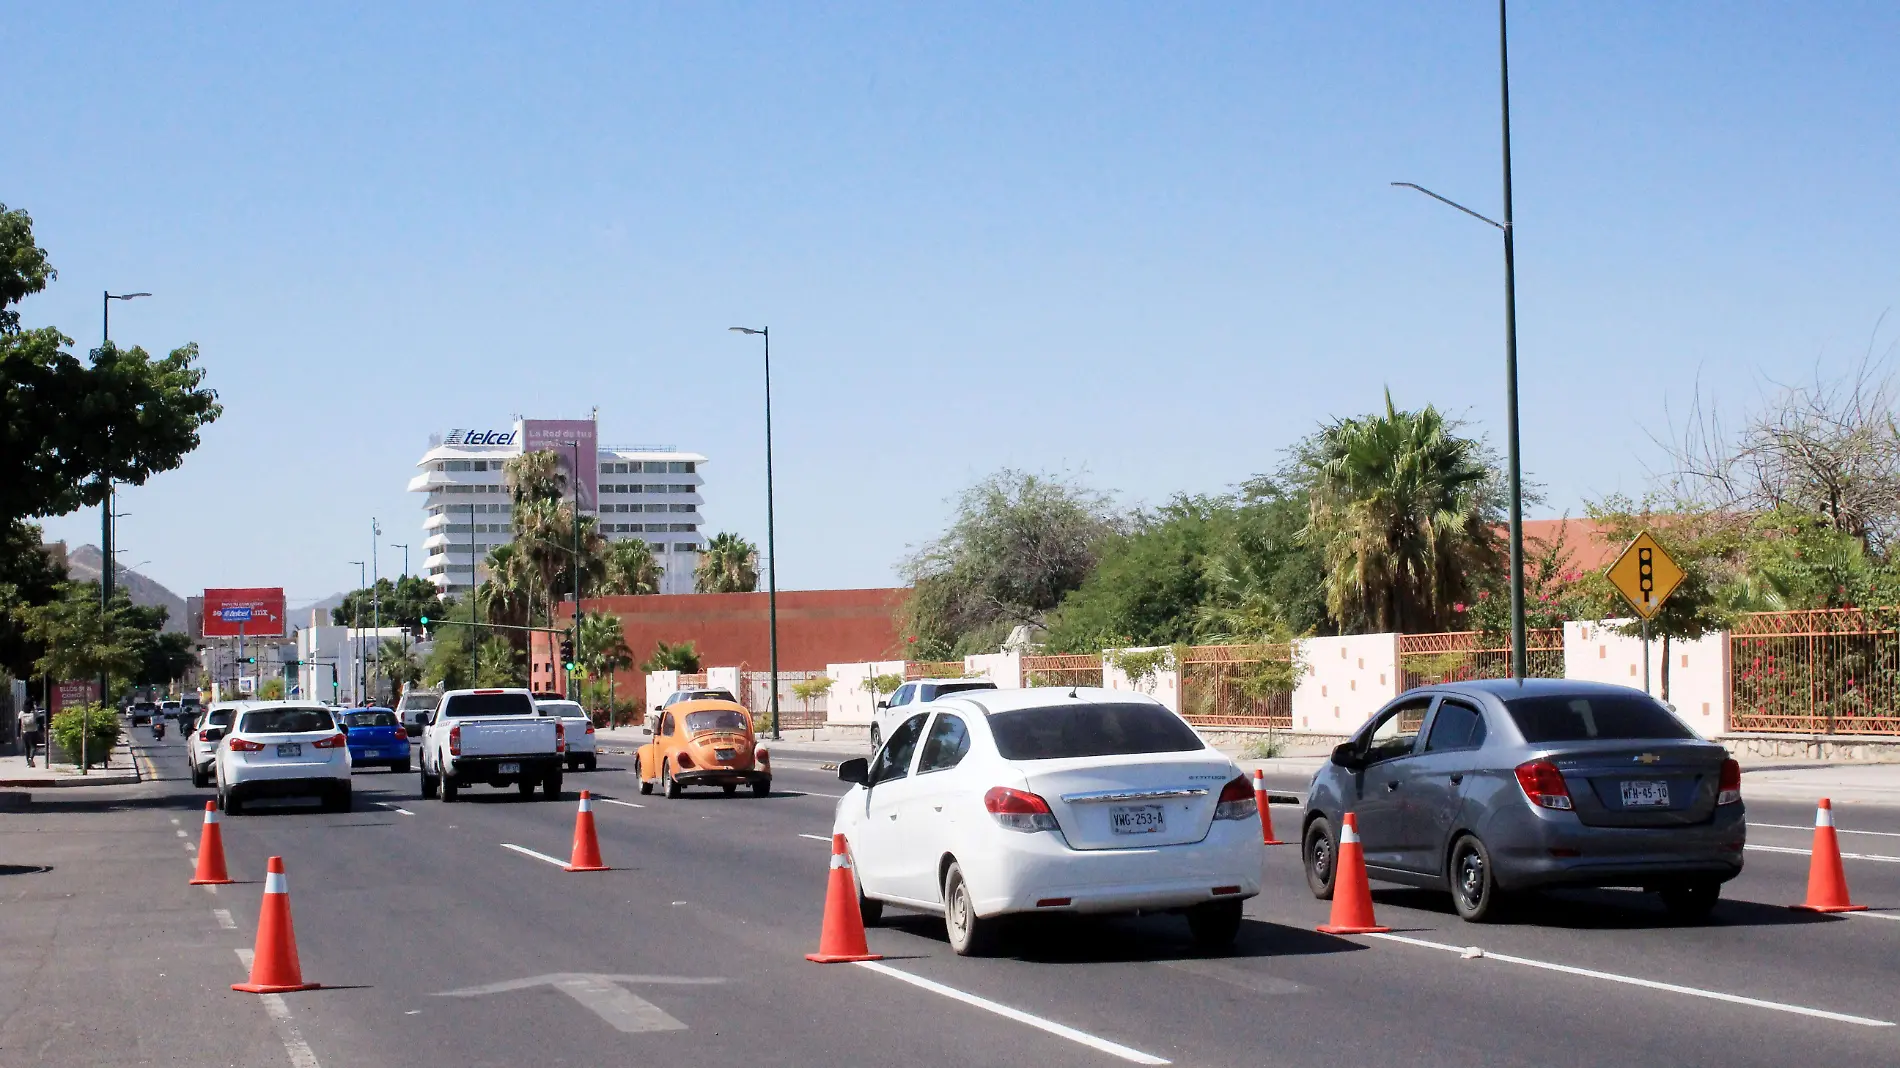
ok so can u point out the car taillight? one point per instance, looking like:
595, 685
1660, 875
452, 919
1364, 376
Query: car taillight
590, 728
332, 741
204, 736
1017, 810
686, 759
560, 737
763, 756
1237, 801
239, 745
1544, 784
455, 741
1729, 791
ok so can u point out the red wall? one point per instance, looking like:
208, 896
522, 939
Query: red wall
815, 628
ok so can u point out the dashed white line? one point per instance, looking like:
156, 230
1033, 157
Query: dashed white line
224, 919
617, 801
1649, 984
525, 851
1871, 915
394, 807
817, 837
1837, 830
1059, 1030
286, 1025
181, 833
1810, 852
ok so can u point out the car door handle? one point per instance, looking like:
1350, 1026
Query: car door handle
893, 815
939, 808
1456, 778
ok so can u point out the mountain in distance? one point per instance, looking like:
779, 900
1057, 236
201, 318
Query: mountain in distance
83, 565
300, 613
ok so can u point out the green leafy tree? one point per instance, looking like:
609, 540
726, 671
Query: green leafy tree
683, 658
91, 729
271, 689
630, 569
401, 602
729, 564
398, 661
29, 575
83, 639
448, 663
501, 664
602, 651
164, 658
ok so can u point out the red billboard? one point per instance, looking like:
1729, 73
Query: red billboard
555, 435
72, 694
257, 611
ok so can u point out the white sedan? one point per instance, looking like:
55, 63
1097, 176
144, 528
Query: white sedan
1001, 802
578, 729
284, 749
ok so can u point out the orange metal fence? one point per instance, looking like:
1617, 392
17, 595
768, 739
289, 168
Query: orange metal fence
1828, 671
1224, 686
1458, 656
793, 710
932, 669
1067, 670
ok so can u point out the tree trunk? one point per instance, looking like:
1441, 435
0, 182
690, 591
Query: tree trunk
1665, 669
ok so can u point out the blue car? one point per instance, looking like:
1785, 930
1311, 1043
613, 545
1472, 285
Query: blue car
376, 737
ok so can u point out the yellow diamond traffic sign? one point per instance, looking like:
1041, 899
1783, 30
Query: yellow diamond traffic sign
1645, 575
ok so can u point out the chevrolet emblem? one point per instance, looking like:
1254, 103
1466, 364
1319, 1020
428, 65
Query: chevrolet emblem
1648, 758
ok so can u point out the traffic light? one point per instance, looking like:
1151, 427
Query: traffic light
250, 660
567, 653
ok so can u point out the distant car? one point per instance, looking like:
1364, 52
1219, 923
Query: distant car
694, 695
284, 749
142, 713
170, 709
376, 738
1050, 800
708, 742
582, 746
414, 707
898, 708
1485, 788
203, 742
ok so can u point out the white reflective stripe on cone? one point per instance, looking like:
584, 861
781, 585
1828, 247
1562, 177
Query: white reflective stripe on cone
1348, 836
840, 860
1258, 786
275, 883
211, 816
1824, 816
586, 805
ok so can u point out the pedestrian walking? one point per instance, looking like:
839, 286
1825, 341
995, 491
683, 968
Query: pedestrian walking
32, 725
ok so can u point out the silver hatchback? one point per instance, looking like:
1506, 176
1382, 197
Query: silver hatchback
1484, 788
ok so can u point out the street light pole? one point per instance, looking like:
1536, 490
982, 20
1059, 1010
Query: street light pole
376, 596
356, 624
1518, 665
105, 523
771, 548
574, 630
405, 556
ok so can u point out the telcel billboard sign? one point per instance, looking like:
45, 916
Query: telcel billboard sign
258, 611
554, 435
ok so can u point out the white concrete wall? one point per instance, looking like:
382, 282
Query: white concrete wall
1164, 685
1003, 669
660, 686
1698, 672
849, 702
1343, 681
723, 678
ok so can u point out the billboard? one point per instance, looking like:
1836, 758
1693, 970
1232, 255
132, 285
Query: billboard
258, 611
554, 435
72, 694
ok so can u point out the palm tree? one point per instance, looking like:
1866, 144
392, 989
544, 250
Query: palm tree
398, 660
507, 596
730, 564
631, 569
683, 658
534, 476
602, 648
1404, 513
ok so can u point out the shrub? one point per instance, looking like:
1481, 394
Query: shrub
98, 722
1265, 747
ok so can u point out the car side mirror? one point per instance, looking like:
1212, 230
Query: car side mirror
658, 708
648, 731
856, 771
1347, 755
883, 704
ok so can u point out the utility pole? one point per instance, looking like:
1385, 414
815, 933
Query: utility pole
574, 629
771, 550
105, 548
356, 626
376, 597
474, 642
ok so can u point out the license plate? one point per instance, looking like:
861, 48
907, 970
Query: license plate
1137, 819
723, 754
368, 753
508, 769
290, 749
1645, 795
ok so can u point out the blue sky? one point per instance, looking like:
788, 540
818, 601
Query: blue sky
1152, 243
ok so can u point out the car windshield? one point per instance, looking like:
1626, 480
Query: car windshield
722, 719
219, 717
1580, 718
561, 708
490, 704
1082, 729
374, 718
421, 701
287, 721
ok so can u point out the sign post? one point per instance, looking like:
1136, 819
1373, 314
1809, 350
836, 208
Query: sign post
1646, 575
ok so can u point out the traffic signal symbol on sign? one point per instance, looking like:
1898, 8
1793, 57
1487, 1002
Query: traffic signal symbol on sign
1645, 575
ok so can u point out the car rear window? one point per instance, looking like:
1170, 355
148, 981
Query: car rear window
370, 719
490, 704
286, 721
945, 689
725, 719
219, 717
1578, 718
561, 708
421, 701
1082, 729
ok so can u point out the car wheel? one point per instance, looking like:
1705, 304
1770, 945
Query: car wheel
646, 787
668, 784
1319, 850
877, 738
1474, 891
730, 789
400, 767
526, 786
233, 805
762, 788
450, 791
970, 934
870, 910
551, 787
344, 800
430, 786
592, 762
1215, 924
198, 778
1692, 901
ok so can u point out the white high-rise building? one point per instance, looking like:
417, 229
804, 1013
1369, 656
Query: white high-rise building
635, 491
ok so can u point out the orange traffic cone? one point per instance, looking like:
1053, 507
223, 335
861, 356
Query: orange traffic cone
585, 856
1352, 894
842, 939
1266, 817
274, 967
1827, 880
211, 870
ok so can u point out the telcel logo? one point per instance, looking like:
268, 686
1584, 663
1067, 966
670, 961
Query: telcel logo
479, 437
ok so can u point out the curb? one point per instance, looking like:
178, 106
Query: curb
112, 779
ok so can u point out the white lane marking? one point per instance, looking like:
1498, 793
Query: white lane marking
280, 1018
181, 833
224, 919
174, 818
1059, 1030
600, 994
624, 804
1810, 852
525, 851
394, 807
190, 847
1810, 827
817, 837
1871, 915
1650, 984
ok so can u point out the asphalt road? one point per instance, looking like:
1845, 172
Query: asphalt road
439, 946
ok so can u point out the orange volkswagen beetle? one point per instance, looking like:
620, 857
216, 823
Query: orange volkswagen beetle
703, 743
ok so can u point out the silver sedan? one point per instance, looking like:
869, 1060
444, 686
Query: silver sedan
1484, 788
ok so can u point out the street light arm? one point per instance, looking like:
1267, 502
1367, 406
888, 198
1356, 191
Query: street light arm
1453, 203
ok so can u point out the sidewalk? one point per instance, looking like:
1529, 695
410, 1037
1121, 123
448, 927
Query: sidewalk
120, 770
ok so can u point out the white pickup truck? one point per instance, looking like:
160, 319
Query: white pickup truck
492, 736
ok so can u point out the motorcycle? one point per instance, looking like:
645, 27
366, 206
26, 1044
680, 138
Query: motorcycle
158, 728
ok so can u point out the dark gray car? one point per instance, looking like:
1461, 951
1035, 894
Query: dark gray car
1484, 788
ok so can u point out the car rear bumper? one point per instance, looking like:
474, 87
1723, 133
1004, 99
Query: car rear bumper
721, 777
314, 786
379, 754
1558, 850
467, 769
1022, 871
